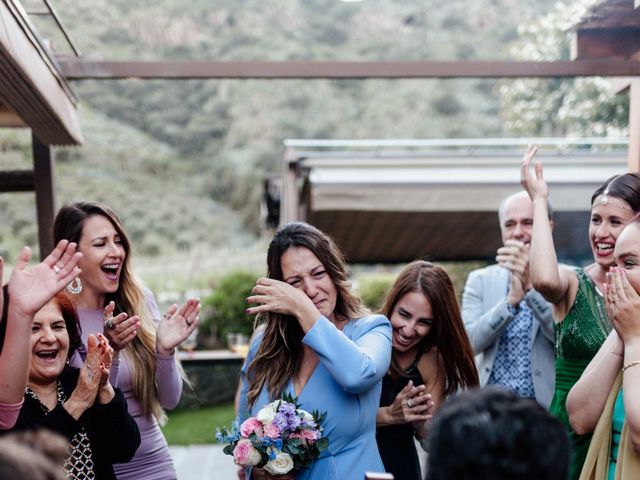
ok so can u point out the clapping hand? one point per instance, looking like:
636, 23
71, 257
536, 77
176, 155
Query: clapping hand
31, 288
105, 390
121, 329
90, 379
411, 405
514, 256
176, 326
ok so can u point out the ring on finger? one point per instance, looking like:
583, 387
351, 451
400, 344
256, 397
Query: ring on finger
410, 403
56, 269
109, 323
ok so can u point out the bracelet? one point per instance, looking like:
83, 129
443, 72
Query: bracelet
631, 364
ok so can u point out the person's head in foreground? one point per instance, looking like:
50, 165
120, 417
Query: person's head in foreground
494, 434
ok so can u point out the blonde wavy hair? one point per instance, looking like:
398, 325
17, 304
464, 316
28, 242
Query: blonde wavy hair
130, 298
280, 352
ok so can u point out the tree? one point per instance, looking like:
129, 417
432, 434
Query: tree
559, 107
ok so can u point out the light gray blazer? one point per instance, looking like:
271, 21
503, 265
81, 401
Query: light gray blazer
485, 315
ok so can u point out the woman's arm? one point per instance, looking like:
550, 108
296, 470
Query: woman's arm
588, 396
432, 370
118, 445
546, 276
29, 290
358, 364
173, 328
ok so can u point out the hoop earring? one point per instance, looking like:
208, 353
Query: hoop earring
77, 288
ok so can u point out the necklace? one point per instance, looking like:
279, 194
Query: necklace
79, 463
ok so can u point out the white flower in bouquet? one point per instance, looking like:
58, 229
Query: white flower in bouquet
307, 418
281, 465
267, 413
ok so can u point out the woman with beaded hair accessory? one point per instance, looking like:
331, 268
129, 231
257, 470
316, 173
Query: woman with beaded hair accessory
605, 399
113, 302
582, 324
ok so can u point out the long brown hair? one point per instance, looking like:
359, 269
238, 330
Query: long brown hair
129, 298
280, 352
447, 332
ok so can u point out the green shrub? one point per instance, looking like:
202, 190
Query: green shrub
224, 310
373, 290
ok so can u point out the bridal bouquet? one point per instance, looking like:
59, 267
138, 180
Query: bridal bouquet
280, 438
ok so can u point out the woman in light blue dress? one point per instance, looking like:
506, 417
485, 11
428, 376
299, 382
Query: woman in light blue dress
318, 344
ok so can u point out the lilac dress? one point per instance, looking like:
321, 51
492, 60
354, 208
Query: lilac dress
152, 459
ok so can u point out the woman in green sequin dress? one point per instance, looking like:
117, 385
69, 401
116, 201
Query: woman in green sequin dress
575, 293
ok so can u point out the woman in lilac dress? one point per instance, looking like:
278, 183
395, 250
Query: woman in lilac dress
111, 301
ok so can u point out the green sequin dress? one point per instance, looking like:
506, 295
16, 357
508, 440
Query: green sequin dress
578, 339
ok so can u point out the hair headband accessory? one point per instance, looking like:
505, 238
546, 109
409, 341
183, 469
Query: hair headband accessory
605, 200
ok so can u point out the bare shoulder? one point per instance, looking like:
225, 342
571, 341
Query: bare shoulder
569, 279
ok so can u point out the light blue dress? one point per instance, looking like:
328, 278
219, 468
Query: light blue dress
346, 385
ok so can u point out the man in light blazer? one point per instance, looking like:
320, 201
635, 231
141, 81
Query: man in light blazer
509, 324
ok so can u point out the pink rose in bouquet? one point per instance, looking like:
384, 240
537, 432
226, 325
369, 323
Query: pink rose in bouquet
280, 438
249, 426
244, 453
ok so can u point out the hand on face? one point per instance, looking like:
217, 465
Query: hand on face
536, 186
623, 305
121, 329
278, 297
31, 288
176, 326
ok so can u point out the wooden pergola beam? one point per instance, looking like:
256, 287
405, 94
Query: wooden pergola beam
16, 181
43, 179
75, 69
613, 43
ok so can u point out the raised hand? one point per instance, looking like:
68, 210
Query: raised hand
623, 305
121, 329
536, 186
176, 326
31, 288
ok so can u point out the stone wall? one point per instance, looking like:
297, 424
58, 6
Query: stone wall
214, 382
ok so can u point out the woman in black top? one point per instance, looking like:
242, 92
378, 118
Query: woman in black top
431, 359
79, 404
